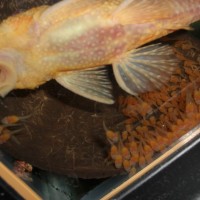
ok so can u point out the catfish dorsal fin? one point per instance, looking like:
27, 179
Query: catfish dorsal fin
67, 9
141, 11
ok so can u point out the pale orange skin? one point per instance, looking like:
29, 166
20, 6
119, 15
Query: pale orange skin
45, 45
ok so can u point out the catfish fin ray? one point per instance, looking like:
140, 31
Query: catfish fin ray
92, 84
65, 10
145, 69
130, 11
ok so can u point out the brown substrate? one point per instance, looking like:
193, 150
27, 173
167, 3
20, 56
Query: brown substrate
65, 131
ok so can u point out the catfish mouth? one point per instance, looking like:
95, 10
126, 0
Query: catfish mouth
3, 73
8, 79
3, 88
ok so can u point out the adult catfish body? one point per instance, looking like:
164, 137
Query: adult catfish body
72, 40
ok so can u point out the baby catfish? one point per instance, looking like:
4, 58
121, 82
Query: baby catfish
73, 40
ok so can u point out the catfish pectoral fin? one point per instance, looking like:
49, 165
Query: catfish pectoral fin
92, 84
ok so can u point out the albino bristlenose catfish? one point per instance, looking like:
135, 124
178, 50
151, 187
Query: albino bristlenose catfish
72, 40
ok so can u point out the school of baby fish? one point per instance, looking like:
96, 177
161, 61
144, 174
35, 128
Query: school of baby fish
157, 119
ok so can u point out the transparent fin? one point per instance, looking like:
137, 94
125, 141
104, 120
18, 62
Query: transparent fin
130, 11
145, 69
92, 84
67, 9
